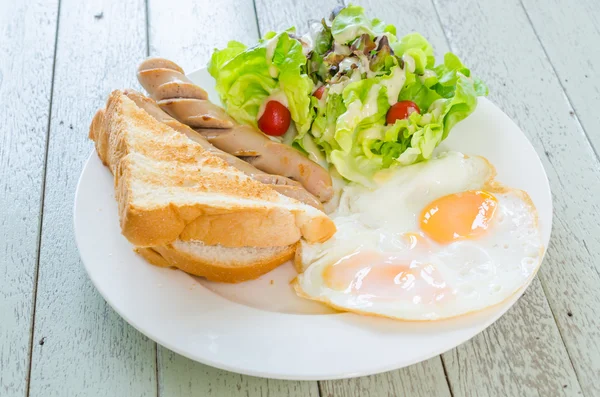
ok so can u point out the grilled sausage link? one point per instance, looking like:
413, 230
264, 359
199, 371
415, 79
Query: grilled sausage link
279, 183
188, 103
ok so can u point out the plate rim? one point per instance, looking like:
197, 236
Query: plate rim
289, 376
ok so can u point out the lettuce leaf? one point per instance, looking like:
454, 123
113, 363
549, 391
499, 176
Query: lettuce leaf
246, 77
418, 47
297, 86
365, 69
351, 22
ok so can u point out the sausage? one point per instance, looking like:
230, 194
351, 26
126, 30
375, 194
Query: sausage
271, 157
223, 132
167, 83
164, 79
279, 183
197, 113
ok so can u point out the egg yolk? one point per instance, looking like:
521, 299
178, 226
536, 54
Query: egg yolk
385, 277
459, 216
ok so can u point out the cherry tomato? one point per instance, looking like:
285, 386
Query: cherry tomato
319, 92
275, 120
401, 110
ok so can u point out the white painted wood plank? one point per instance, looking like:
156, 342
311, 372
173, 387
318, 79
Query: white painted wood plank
187, 31
570, 33
426, 378
27, 34
423, 379
498, 41
82, 347
182, 377
521, 355
531, 320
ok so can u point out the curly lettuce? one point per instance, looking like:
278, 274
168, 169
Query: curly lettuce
351, 23
350, 125
362, 69
247, 76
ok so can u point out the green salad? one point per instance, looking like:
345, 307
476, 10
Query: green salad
358, 96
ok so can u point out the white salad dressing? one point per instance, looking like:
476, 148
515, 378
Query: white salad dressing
307, 44
341, 49
278, 96
364, 66
338, 87
409, 63
357, 111
290, 135
314, 153
436, 108
349, 33
370, 106
348, 62
271, 44
394, 84
427, 118
313, 31
426, 75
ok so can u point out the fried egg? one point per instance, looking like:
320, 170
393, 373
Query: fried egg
434, 240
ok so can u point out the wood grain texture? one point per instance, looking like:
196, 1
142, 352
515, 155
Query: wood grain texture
497, 40
422, 379
527, 334
27, 34
81, 346
570, 36
180, 376
426, 378
187, 32
520, 355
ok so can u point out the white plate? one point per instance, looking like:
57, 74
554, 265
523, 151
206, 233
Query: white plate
260, 327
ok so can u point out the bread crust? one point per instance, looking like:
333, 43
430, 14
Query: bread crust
230, 272
126, 138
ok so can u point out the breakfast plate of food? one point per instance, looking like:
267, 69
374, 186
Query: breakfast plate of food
316, 206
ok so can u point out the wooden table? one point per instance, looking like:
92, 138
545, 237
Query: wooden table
60, 59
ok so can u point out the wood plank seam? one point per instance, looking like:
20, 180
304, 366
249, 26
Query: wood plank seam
147, 28
442, 358
393, 383
41, 219
260, 32
562, 338
147, 15
89, 350
587, 136
441, 24
562, 86
320, 389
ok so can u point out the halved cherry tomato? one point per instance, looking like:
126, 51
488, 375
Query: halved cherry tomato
319, 92
275, 120
401, 110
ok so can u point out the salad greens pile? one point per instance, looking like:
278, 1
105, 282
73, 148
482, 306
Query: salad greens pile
364, 70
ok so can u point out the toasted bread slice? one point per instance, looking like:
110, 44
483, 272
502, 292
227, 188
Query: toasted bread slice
169, 188
217, 263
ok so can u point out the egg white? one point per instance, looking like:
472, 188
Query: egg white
444, 280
